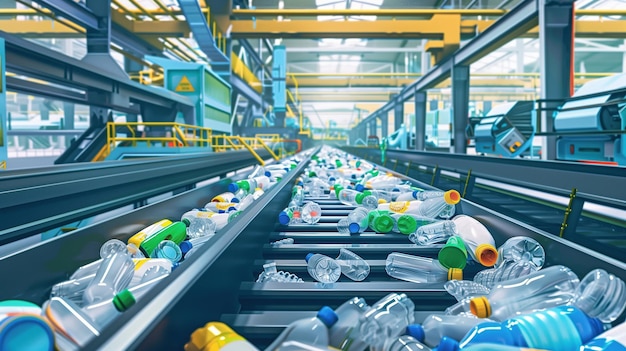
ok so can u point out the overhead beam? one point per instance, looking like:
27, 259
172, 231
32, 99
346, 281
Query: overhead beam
72, 11
248, 13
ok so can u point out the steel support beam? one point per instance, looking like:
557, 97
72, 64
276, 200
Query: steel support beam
398, 115
384, 124
73, 11
555, 36
419, 122
460, 107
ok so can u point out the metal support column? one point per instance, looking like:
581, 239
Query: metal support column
486, 107
3, 109
555, 41
68, 115
99, 40
398, 115
433, 105
279, 88
420, 120
372, 128
460, 107
384, 124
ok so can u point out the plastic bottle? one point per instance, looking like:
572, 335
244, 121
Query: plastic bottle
103, 312
506, 271
386, 319
140, 236
344, 334
495, 347
300, 346
311, 213
352, 265
72, 289
281, 242
613, 339
323, 268
168, 250
217, 336
86, 270
144, 264
290, 215
196, 243
419, 269
405, 343
463, 289
601, 295
199, 223
313, 331
176, 232
270, 274
429, 208
343, 226
522, 249
407, 196
358, 220
478, 240
70, 320
380, 221
154, 276
113, 275
224, 197
222, 207
354, 198
408, 224
437, 325
562, 328
433, 233
453, 254
111, 246
549, 287
25, 332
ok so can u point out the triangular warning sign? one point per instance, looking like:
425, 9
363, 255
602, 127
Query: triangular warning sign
184, 86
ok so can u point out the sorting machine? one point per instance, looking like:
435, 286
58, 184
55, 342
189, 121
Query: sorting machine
218, 282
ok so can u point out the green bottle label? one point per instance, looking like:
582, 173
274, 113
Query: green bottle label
176, 232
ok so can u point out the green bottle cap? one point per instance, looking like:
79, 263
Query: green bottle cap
453, 254
312, 174
359, 198
338, 163
383, 223
176, 232
244, 184
407, 224
338, 189
123, 300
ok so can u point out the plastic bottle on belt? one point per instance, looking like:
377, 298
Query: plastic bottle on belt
428, 208
463, 289
507, 270
380, 221
404, 343
522, 249
386, 319
408, 224
561, 328
355, 198
343, 335
613, 339
358, 220
311, 212
217, 336
437, 325
199, 223
601, 295
352, 265
103, 312
113, 275
419, 269
140, 236
453, 254
176, 232
478, 240
323, 268
433, 233
312, 331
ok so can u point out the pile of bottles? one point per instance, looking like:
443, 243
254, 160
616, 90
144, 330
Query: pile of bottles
96, 293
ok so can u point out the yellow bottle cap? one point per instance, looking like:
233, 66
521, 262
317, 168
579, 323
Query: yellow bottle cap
382, 201
452, 197
480, 307
487, 255
455, 274
212, 337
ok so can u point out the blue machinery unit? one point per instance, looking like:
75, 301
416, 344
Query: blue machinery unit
507, 130
596, 109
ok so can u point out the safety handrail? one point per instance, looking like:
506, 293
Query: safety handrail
3, 164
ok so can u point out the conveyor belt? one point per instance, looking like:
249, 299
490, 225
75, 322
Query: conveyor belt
218, 282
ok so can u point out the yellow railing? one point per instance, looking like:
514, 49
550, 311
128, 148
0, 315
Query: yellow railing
3, 164
223, 143
298, 103
148, 77
176, 135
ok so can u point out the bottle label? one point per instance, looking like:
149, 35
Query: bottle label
399, 206
206, 214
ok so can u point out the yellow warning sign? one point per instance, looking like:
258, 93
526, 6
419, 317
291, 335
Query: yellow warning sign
184, 86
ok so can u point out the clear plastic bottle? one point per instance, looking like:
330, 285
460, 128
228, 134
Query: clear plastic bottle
113, 276
561, 328
144, 264
354, 198
112, 246
463, 289
601, 295
217, 336
290, 215
343, 226
224, 197
429, 208
358, 220
437, 325
613, 339
407, 196
72, 289
103, 312
323, 268
281, 242
352, 265
168, 250
419, 269
199, 223
88, 269
70, 320
433, 233
221, 207
312, 331
478, 240
311, 212
344, 334
507, 270
405, 343
386, 319
154, 276
548, 287
522, 249
271, 274
408, 224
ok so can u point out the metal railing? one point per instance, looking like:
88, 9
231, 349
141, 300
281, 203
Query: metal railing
239, 68
223, 143
3, 164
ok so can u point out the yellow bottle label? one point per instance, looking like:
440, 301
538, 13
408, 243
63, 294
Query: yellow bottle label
223, 205
140, 262
138, 238
399, 206
205, 214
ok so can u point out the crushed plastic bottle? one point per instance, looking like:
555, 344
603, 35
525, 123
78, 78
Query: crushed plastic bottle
352, 265
433, 233
271, 274
386, 319
505, 271
463, 289
281, 242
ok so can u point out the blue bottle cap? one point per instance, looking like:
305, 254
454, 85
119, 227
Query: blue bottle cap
360, 187
233, 187
235, 200
25, 333
332, 179
395, 190
448, 344
354, 228
353, 176
283, 218
268, 173
327, 316
232, 208
308, 257
300, 183
415, 194
604, 345
185, 246
416, 331
221, 211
